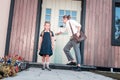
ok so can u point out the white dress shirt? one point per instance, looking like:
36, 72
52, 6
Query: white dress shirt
74, 25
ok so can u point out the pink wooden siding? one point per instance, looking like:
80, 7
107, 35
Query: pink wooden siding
23, 28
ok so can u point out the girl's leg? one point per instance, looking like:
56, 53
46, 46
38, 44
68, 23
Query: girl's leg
47, 62
43, 62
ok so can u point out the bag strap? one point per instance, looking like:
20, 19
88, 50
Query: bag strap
42, 33
71, 27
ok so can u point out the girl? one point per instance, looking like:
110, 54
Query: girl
47, 45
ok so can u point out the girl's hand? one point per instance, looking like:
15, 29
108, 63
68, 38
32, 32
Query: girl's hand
38, 51
52, 47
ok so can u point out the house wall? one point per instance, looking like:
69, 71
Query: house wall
4, 15
98, 50
23, 28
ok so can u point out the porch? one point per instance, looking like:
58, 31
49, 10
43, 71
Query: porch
24, 27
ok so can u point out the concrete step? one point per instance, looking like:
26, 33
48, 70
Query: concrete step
61, 66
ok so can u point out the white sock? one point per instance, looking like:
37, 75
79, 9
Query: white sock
47, 64
43, 64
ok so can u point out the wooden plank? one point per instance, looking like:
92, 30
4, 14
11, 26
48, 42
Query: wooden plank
18, 29
96, 34
28, 28
89, 35
33, 30
98, 19
100, 32
113, 56
34, 9
93, 32
15, 27
25, 29
22, 28
86, 32
12, 32
103, 32
107, 36
116, 56
109, 53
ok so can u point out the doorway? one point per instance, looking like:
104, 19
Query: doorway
53, 10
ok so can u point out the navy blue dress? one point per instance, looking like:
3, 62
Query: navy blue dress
46, 46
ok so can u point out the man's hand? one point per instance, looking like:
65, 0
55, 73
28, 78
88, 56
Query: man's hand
58, 33
78, 34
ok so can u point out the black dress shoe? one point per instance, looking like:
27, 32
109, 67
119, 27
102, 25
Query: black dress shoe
43, 68
77, 68
71, 63
48, 69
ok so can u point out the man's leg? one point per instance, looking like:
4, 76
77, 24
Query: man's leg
76, 47
66, 49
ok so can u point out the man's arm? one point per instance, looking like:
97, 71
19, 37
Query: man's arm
58, 33
61, 32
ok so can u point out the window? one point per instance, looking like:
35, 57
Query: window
116, 24
73, 15
48, 15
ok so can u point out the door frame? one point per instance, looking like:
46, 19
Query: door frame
83, 14
7, 45
37, 30
83, 17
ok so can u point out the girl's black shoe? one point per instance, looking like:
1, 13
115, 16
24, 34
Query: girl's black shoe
48, 69
43, 68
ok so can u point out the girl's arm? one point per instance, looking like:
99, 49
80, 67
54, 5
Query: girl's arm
40, 42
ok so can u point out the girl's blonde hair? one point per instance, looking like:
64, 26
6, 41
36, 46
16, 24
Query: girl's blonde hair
42, 33
47, 22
